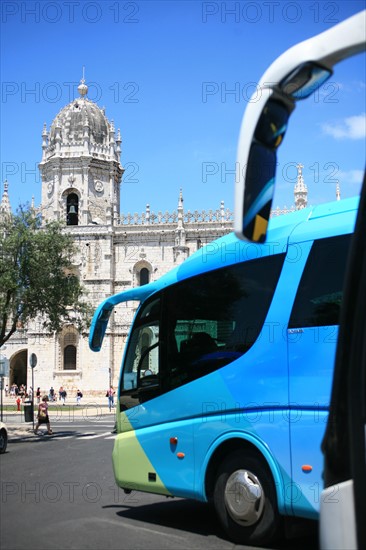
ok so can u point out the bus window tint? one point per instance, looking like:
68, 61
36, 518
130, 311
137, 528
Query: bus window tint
214, 318
320, 291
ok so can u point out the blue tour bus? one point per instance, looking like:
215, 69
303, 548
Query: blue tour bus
293, 77
226, 377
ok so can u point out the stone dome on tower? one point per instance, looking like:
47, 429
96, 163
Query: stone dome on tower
80, 168
73, 118
81, 128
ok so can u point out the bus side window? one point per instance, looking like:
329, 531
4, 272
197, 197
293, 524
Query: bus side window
215, 317
318, 298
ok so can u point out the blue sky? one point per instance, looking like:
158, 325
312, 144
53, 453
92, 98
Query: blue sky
176, 77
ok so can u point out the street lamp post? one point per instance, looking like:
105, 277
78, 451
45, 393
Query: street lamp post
109, 389
33, 363
4, 371
1, 390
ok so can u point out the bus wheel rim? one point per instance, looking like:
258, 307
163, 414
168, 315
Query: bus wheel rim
244, 497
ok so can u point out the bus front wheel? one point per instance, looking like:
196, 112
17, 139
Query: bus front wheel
245, 499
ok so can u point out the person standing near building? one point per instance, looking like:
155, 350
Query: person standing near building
52, 394
38, 395
42, 416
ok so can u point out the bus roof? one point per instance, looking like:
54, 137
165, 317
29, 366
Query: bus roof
227, 250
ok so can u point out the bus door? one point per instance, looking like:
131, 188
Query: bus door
311, 338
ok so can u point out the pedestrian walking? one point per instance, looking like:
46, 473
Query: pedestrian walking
79, 395
63, 394
42, 416
110, 394
38, 395
22, 392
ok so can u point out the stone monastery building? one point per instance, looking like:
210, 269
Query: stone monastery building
81, 174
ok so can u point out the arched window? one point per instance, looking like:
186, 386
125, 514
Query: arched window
144, 276
69, 346
72, 209
70, 358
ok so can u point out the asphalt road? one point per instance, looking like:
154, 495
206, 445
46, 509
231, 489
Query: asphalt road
59, 492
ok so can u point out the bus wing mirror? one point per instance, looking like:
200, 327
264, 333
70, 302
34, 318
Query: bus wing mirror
295, 75
264, 127
260, 169
99, 326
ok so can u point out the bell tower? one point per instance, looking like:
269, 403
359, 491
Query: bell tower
80, 168
300, 190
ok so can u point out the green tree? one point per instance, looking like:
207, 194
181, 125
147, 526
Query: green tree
36, 275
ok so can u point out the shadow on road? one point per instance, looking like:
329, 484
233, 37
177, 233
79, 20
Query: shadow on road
199, 518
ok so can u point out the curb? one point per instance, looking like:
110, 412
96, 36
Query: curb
15, 434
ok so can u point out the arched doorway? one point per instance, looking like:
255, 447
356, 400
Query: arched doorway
18, 368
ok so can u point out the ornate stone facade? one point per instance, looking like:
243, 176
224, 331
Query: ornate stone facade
81, 176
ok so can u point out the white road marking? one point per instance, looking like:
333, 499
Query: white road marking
94, 436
